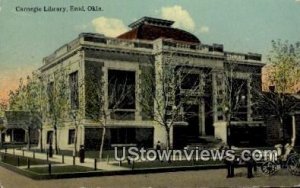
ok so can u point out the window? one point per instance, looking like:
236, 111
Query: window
121, 89
239, 99
49, 137
190, 81
71, 138
73, 81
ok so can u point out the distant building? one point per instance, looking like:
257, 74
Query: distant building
16, 126
95, 56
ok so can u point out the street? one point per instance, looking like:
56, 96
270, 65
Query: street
204, 178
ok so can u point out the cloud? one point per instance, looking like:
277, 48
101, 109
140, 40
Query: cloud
181, 17
204, 29
111, 27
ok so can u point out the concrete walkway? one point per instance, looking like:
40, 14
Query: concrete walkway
68, 160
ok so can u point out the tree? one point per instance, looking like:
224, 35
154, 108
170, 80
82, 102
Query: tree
76, 108
32, 105
27, 98
163, 94
234, 99
16, 98
3, 107
283, 75
120, 90
284, 60
40, 93
58, 101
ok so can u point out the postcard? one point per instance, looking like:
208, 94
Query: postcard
107, 93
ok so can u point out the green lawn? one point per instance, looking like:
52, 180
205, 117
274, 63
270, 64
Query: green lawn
60, 169
157, 164
13, 160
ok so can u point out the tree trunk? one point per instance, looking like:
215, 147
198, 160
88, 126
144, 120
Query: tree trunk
28, 139
229, 135
55, 139
102, 142
168, 139
41, 140
75, 142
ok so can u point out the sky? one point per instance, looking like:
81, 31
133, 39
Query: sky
240, 25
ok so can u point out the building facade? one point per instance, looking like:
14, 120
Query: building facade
86, 69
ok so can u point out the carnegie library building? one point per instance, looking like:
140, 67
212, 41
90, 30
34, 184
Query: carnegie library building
92, 64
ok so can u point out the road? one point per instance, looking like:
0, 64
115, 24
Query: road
203, 178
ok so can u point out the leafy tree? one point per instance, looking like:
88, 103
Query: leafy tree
283, 75
3, 107
284, 60
27, 98
31, 104
16, 97
58, 101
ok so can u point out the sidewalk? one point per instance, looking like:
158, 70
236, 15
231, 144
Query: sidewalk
68, 160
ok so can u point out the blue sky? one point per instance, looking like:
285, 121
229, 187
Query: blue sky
241, 25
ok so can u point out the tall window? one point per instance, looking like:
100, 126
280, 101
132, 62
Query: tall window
239, 99
121, 89
73, 80
49, 137
190, 81
71, 138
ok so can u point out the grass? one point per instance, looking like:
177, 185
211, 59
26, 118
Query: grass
158, 164
13, 160
61, 169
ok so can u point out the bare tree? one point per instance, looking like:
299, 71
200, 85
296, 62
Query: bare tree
234, 97
163, 97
